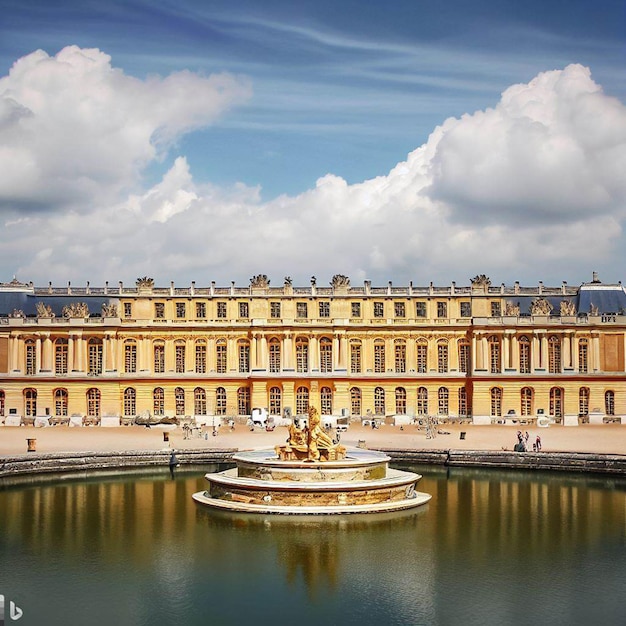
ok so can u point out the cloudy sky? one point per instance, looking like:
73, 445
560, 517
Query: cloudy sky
408, 140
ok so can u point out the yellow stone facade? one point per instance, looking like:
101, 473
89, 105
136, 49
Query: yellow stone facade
455, 352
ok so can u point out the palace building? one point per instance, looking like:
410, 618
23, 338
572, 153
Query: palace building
480, 352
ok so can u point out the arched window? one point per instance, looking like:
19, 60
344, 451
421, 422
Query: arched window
554, 355
355, 357
243, 348
93, 402
274, 349
495, 364
60, 402
462, 402
220, 356
302, 356
442, 356
130, 357
30, 402
556, 402
158, 401
243, 401
524, 355
400, 400
60, 356
583, 401
199, 401
496, 402
94, 353
443, 401
276, 401
422, 401
31, 357
326, 355
200, 357
379, 356
326, 401
130, 402
400, 356
464, 356
220, 401
302, 400
609, 402
421, 348
379, 401
355, 401
583, 356
179, 356
526, 398
179, 399
159, 357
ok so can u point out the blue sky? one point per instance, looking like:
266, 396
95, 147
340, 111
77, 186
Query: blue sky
346, 88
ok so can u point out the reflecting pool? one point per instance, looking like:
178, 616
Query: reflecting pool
490, 548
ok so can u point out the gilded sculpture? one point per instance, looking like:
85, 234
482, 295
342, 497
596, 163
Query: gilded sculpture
109, 310
44, 310
567, 308
541, 306
76, 310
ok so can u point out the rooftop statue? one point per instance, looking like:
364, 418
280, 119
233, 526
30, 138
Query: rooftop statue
145, 282
76, 309
540, 306
339, 280
44, 310
260, 281
567, 308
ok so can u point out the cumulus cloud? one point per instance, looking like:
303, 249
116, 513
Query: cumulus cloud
533, 185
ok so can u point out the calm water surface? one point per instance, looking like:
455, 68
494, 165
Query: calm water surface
490, 548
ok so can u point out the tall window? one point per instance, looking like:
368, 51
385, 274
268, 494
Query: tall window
442, 309
379, 356
243, 401
31, 357
326, 401
421, 348
274, 348
60, 356
495, 309
60, 402
422, 401
442, 356
179, 399
400, 356
276, 401
326, 355
583, 401
201, 357
302, 310
526, 400
464, 356
180, 357
130, 357
524, 355
128, 310
243, 310
324, 309
355, 401
159, 310
199, 401
275, 310
93, 402
158, 401
181, 310
1, 402
302, 400
220, 356
583, 356
420, 309
94, 351
355, 357
355, 309
462, 402
30, 402
494, 355
379, 401
496, 402
130, 402
466, 309
220, 401
401, 400
556, 402
200, 310
302, 355
221, 310
244, 357
379, 309
159, 358
399, 309
609, 402
443, 401
554, 355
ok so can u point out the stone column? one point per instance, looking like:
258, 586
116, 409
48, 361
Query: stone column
264, 359
38, 365
46, 357
595, 351
313, 354
254, 364
287, 352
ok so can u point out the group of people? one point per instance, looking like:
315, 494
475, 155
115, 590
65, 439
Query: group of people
523, 444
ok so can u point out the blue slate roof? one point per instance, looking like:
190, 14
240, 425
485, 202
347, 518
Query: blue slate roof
27, 302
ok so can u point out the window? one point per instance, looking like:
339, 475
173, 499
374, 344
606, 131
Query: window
583, 401
524, 355
93, 402
181, 310
401, 401
128, 309
130, 402
422, 356
442, 309
326, 355
180, 358
275, 310
200, 310
199, 401
201, 357
495, 309
302, 400
420, 309
379, 357
179, 400
442, 397
30, 402
60, 402
94, 351
159, 358
274, 348
221, 310
355, 401
462, 402
244, 358
1, 403
554, 355
464, 356
158, 401
379, 401
60, 356
496, 402
326, 401
220, 401
31, 357
130, 357
220, 356
302, 355
466, 309
379, 309
355, 309
556, 402
243, 310
422, 401
526, 398
302, 310
355, 357
159, 310
400, 357
609, 402
243, 401
276, 401
494, 354
442, 356
399, 309
324, 309
583, 356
